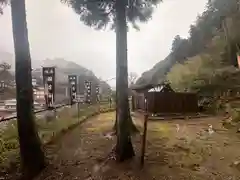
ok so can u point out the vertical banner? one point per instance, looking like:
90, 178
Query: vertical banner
110, 100
97, 93
88, 92
2, 84
72, 80
2, 87
49, 86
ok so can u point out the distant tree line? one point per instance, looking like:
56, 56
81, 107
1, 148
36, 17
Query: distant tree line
221, 16
217, 26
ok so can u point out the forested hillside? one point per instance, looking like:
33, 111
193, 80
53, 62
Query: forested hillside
63, 69
207, 61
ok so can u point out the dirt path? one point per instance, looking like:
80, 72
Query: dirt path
76, 154
176, 150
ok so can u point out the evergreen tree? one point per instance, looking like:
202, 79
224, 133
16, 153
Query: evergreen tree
116, 14
32, 156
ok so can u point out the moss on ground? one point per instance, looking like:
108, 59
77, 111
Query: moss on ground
48, 129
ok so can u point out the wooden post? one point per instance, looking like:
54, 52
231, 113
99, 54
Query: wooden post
144, 139
110, 102
133, 101
55, 112
78, 109
99, 106
144, 133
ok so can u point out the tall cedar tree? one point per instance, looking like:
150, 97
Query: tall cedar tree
115, 14
32, 156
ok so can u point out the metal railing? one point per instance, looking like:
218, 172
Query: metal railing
45, 110
35, 112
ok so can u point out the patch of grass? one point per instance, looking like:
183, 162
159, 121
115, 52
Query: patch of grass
186, 154
48, 129
233, 120
8, 141
178, 148
161, 129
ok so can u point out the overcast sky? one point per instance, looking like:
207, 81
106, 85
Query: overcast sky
55, 31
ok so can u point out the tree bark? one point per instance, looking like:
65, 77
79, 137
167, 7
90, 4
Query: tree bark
32, 156
124, 149
115, 124
133, 128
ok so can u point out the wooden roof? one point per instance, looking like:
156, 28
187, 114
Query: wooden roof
143, 87
147, 87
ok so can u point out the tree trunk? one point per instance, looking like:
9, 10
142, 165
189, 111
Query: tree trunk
133, 128
32, 156
226, 34
133, 103
124, 149
115, 123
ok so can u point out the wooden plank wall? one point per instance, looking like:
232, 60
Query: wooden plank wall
168, 102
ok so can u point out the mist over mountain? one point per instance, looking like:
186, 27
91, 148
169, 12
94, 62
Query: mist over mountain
63, 69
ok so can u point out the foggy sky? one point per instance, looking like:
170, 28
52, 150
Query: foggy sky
55, 31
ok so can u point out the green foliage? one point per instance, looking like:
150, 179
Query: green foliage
5, 66
8, 140
210, 74
47, 130
102, 13
214, 34
4, 72
197, 73
180, 48
3, 3
233, 120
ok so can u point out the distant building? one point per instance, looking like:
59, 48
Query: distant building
34, 83
38, 95
11, 105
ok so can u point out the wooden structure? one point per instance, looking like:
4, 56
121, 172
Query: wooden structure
161, 99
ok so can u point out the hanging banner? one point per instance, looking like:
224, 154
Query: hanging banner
72, 80
88, 92
97, 93
2, 87
49, 86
